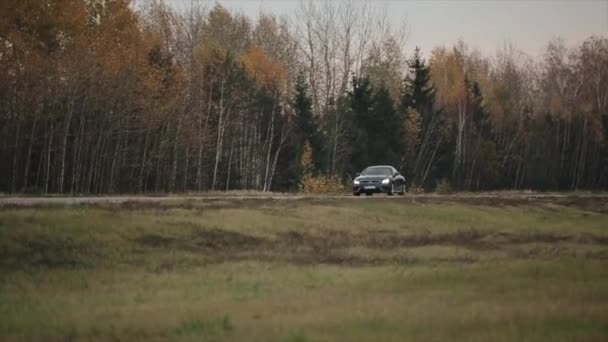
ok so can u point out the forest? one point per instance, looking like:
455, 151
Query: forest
111, 96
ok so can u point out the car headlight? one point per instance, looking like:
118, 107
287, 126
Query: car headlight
356, 182
386, 181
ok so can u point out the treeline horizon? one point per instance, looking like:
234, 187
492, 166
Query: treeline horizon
105, 96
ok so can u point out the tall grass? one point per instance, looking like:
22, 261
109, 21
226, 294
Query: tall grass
306, 271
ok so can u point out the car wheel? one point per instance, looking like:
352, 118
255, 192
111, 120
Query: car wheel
357, 193
392, 190
368, 194
402, 192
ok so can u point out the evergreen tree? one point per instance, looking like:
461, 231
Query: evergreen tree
431, 162
361, 103
419, 93
306, 128
377, 130
306, 123
481, 166
480, 117
385, 130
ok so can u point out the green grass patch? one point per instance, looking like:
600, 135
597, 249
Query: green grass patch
305, 271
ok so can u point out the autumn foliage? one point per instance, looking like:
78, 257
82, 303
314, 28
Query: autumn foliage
107, 96
259, 67
316, 184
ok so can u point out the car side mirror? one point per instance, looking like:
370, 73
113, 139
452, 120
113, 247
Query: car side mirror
358, 174
396, 174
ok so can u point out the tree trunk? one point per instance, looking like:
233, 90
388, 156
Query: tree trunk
174, 168
28, 156
142, 167
219, 141
78, 145
114, 162
276, 155
430, 162
229, 164
161, 152
270, 138
335, 142
185, 183
94, 156
47, 173
64, 145
99, 163
201, 142
15, 159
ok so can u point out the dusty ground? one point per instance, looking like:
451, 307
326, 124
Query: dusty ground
10, 200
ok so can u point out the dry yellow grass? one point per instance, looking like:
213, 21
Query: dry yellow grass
305, 271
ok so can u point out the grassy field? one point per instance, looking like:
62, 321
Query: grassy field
307, 270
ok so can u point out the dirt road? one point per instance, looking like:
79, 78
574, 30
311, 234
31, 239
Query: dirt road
26, 201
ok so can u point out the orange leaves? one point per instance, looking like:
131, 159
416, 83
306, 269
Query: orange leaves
447, 74
319, 184
39, 25
260, 68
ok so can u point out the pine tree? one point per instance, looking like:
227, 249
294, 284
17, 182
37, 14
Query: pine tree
377, 130
361, 103
419, 93
419, 97
480, 116
306, 125
305, 120
482, 169
385, 130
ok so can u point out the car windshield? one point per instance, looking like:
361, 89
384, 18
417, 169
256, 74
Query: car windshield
377, 171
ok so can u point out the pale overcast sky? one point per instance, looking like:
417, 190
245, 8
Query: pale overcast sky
486, 25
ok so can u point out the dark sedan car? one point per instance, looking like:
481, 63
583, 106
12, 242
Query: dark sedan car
379, 179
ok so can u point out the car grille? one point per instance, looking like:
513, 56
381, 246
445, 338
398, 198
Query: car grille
369, 182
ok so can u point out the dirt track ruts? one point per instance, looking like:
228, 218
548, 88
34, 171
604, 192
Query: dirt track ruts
26, 201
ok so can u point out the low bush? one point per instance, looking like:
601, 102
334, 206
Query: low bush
443, 186
416, 189
321, 184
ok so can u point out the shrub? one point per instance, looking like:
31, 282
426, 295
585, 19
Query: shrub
320, 184
416, 189
443, 186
